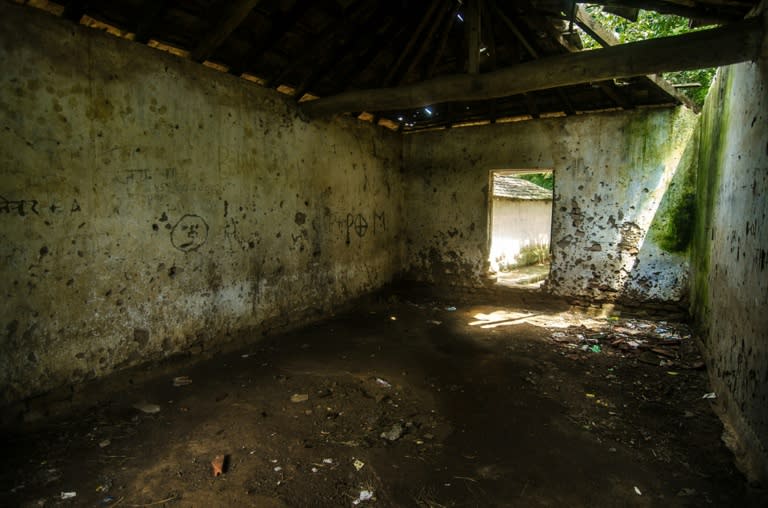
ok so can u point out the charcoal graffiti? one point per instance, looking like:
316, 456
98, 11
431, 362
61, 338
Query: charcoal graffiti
358, 224
21, 207
130, 176
190, 233
379, 222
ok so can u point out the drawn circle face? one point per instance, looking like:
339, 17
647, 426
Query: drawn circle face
190, 233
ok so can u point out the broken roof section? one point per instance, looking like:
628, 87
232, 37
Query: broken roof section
328, 49
513, 187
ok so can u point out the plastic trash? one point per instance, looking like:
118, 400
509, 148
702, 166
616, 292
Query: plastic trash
147, 408
394, 433
217, 465
182, 381
434, 322
710, 395
359, 464
450, 309
637, 491
68, 495
365, 495
382, 382
595, 348
299, 397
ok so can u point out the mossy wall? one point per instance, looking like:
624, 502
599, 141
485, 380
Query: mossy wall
730, 254
614, 174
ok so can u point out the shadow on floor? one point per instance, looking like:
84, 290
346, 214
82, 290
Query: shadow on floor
407, 400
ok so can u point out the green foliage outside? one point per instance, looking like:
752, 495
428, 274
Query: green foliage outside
533, 255
651, 25
545, 180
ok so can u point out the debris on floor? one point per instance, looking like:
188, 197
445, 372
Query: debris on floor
217, 465
181, 381
482, 411
147, 408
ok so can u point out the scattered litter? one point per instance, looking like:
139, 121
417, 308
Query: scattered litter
673, 373
383, 383
245, 356
710, 395
314, 470
590, 395
450, 309
299, 397
104, 443
68, 495
182, 381
107, 500
393, 318
147, 408
637, 491
217, 465
327, 461
394, 433
358, 464
277, 469
365, 495
595, 348
434, 322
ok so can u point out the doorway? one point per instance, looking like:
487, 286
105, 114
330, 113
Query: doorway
520, 225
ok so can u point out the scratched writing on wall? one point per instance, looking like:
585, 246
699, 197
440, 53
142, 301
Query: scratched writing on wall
25, 207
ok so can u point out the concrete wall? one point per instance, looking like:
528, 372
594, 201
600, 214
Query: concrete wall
730, 256
615, 181
151, 205
517, 223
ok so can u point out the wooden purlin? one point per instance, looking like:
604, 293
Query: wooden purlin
226, 24
736, 43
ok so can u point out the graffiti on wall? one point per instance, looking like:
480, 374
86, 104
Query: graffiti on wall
190, 233
24, 207
357, 225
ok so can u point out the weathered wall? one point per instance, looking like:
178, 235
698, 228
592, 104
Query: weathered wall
611, 175
151, 205
517, 223
730, 255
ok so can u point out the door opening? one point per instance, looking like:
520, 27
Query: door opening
520, 217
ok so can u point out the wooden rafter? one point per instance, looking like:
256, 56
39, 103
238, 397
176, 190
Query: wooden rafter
607, 38
151, 12
225, 25
330, 52
394, 71
473, 36
74, 10
446, 32
281, 23
736, 43
718, 12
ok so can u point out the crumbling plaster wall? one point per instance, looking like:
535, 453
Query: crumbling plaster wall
616, 179
151, 205
730, 254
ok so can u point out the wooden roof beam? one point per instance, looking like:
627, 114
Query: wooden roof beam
226, 24
737, 42
721, 13
607, 38
151, 12
74, 10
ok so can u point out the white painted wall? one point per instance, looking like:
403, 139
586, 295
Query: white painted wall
517, 224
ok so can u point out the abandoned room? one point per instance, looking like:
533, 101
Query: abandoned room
429, 253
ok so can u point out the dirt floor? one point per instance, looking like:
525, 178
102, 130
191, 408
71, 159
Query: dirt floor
403, 401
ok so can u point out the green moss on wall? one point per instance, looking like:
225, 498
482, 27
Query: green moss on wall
673, 226
677, 228
712, 134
